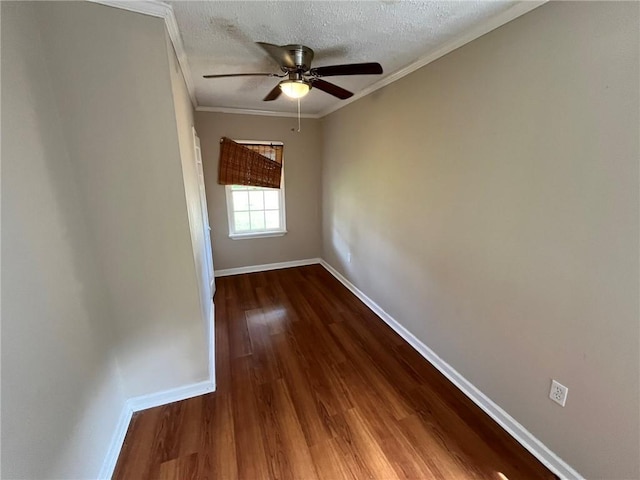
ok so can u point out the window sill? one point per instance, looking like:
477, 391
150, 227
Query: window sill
240, 236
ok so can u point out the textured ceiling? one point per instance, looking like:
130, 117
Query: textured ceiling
219, 38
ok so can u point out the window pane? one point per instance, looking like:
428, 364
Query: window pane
271, 199
257, 220
240, 201
255, 209
256, 200
272, 219
242, 221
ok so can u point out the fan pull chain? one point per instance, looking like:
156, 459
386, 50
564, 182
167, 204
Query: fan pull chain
298, 115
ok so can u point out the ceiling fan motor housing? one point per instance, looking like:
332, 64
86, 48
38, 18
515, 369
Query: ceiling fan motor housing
303, 56
295, 64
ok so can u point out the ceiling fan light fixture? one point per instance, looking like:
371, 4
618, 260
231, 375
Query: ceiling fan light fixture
295, 67
295, 88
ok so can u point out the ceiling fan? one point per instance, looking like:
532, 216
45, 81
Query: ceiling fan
295, 63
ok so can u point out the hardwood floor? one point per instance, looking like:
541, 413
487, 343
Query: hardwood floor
312, 384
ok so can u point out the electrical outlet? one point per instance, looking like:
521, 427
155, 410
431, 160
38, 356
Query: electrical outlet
349, 257
558, 393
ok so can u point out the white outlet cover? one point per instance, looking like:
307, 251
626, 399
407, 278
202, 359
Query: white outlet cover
558, 393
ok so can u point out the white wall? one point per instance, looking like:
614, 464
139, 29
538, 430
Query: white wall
61, 389
490, 202
111, 76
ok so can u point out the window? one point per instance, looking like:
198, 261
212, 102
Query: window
256, 211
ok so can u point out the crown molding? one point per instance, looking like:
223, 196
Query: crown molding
511, 13
264, 113
181, 54
145, 7
161, 10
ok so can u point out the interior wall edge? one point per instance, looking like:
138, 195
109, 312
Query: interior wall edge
165, 11
517, 10
211, 334
143, 402
538, 449
117, 440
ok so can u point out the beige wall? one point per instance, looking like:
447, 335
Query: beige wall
302, 157
111, 77
490, 204
100, 296
184, 127
61, 388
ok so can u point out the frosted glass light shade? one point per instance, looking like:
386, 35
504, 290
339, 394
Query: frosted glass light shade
294, 88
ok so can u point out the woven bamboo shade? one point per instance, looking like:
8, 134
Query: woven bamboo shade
255, 165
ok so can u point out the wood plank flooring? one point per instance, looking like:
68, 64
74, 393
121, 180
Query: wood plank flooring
311, 384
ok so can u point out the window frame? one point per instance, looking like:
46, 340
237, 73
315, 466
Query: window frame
282, 210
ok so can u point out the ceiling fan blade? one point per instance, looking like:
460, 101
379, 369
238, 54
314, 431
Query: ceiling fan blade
331, 89
225, 75
371, 68
273, 94
279, 54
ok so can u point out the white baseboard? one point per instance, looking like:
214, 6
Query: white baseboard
168, 396
109, 464
211, 339
506, 421
143, 402
266, 267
